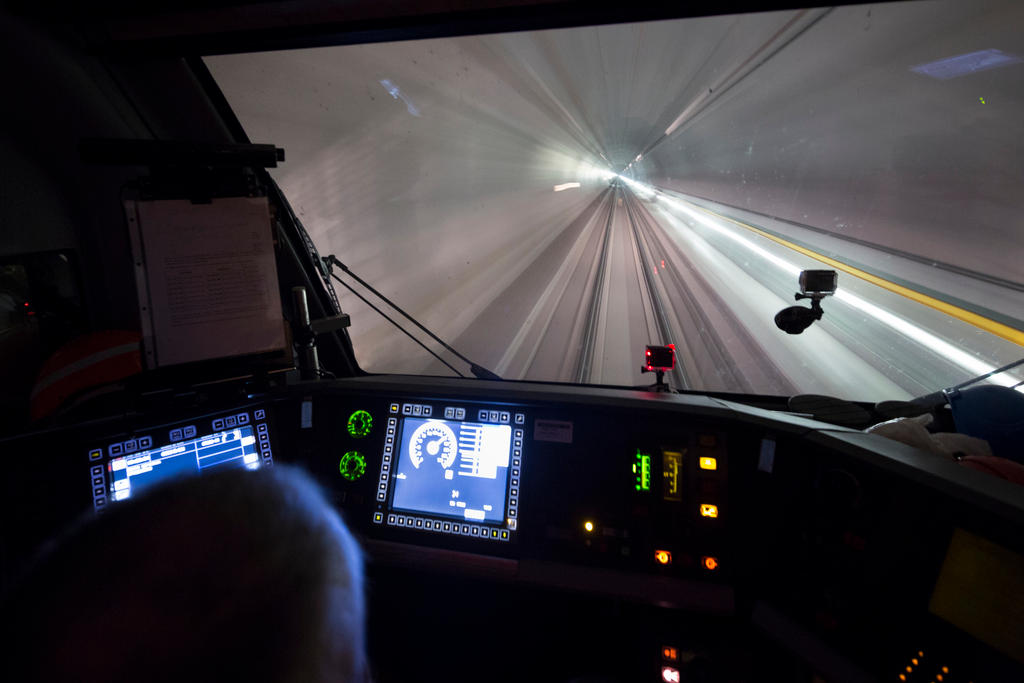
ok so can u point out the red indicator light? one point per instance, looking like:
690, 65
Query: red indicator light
26, 304
663, 557
669, 674
662, 263
669, 654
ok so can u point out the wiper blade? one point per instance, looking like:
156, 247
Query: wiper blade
478, 371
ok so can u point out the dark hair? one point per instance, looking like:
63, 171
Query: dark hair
237, 575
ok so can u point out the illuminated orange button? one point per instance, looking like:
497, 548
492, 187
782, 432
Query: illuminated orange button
663, 556
669, 653
938, 677
914, 661
708, 464
710, 563
903, 677
708, 510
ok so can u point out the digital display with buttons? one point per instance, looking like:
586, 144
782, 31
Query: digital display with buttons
443, 473
120, 468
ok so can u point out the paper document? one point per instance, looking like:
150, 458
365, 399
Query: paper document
207, 279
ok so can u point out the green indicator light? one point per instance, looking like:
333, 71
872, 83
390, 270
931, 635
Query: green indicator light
360, 423
352, 465
642, 471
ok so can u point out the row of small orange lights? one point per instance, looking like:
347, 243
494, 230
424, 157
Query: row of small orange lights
914, 661
664, 557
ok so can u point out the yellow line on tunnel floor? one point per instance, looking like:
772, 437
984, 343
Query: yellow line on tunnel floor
981, 322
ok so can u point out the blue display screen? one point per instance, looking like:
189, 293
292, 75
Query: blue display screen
453, 469
230, 448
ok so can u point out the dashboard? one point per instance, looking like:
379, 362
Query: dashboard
582, 533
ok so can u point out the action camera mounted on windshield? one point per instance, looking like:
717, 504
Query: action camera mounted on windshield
814, 285
817, 284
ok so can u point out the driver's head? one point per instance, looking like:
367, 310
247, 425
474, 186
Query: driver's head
234, 576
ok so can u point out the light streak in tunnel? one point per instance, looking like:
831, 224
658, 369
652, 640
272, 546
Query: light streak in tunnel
961, 65
940, 347
566, 186
397, 94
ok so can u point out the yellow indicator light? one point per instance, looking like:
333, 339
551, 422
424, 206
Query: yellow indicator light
909, 669
920, 653
710, 563
945, 669
588, 525
671, 469
914, 662
663, 556
903, 677
708, 510
938, 677
708, 464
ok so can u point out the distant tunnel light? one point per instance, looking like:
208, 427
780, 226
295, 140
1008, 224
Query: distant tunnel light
566, 186
961, 65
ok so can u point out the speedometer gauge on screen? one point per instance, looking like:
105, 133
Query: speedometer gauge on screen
452, 476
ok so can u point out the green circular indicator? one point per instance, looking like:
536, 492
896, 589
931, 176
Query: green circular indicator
352, 465
360, 423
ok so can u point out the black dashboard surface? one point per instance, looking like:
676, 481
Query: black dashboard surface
551, 532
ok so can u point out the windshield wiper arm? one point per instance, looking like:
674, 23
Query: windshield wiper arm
478, 371
940, 396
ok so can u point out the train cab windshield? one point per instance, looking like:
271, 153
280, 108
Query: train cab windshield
551, 201
486, 341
